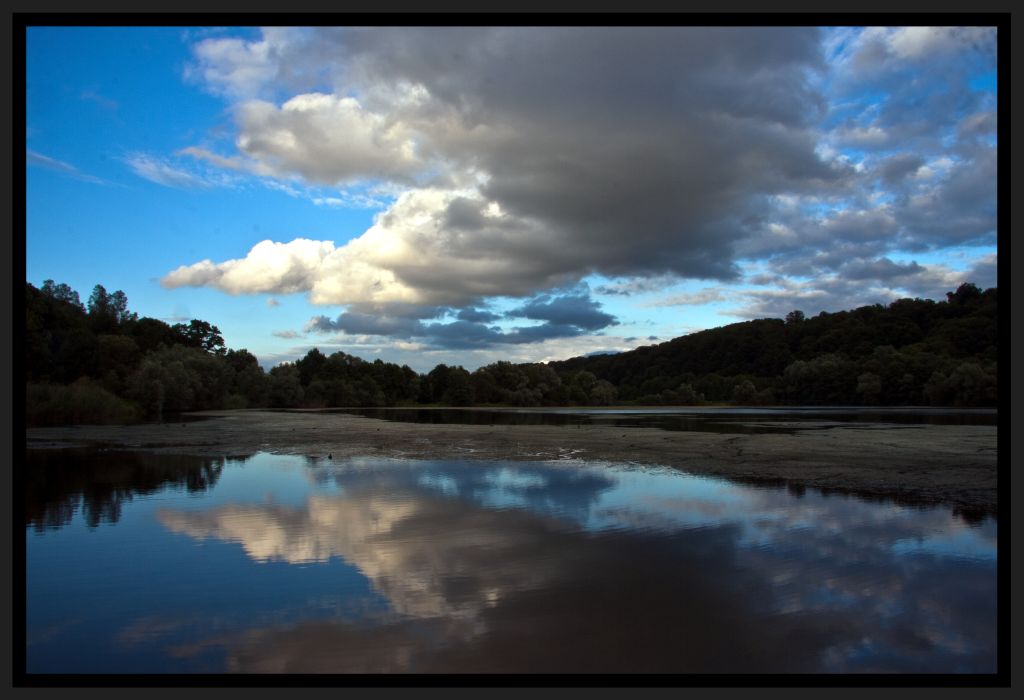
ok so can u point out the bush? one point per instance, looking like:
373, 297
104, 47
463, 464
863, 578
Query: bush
81, 402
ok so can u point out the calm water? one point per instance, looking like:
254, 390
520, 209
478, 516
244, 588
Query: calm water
704, 419
149, 563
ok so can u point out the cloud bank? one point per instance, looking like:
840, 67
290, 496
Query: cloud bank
524, 160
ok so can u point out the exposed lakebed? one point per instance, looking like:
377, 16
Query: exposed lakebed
145, 561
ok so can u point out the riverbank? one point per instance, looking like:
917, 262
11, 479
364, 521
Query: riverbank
953, 465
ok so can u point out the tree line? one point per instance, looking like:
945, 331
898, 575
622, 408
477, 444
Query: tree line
100, 362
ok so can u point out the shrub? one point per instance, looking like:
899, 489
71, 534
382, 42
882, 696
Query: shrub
81, 402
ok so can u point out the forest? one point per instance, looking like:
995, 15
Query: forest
98, 362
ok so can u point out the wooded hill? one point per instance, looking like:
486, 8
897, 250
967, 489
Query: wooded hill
911, 352
102, 363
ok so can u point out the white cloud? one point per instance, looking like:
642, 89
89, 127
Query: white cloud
240, 68
407, 256
280, 268
325, 139
164, 173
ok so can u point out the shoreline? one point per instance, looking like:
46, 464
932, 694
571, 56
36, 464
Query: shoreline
949, 465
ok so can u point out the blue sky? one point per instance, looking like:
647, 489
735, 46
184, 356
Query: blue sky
429, 195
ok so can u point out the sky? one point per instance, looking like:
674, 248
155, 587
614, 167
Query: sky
467, 195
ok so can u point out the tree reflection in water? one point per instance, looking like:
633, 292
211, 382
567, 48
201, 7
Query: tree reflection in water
99, 482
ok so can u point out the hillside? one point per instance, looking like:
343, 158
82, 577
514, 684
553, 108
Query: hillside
911, 352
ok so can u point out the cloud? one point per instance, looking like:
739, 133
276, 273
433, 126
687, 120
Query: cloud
522, 160
860, 282
104, 102
705, 296
33, 158
564, 316
477, 315
325, 139
272, 302
163, 173
638, 285
574, 310
239, 68
287, 334
279, 268
530, 166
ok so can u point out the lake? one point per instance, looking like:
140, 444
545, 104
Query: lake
152, 563
717, 419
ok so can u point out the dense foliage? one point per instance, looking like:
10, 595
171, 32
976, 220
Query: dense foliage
99, 362
911, 352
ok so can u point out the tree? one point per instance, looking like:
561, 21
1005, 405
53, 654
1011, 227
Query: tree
285, 390
964, 294
62, 292
602, 392
119, 308
744, 393
200, 334
869, 386
459, 391
794, 317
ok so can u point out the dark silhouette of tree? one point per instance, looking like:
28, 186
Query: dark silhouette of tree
103, 362
201, 334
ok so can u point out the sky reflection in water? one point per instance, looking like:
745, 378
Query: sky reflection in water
285, 564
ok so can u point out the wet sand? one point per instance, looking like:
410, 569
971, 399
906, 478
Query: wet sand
951, 465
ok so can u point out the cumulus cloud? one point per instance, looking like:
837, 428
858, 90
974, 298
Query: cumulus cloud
542, 167
270, 267
518, 161
325, 139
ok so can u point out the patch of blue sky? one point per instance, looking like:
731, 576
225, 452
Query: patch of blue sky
441, 483
854, 107
665, 498
651, 313
985, 82
959, 258
261, 479
91, 97
977, 543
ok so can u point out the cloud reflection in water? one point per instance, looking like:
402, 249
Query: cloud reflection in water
576, 567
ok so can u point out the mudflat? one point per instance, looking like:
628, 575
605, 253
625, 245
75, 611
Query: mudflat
952, 465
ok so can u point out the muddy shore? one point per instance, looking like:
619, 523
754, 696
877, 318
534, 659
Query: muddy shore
953, 465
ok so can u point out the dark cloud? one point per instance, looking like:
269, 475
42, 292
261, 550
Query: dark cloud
880, 269
897, 167
628, 151
565, 316
580, 311
355, 323
533, 157
477, 315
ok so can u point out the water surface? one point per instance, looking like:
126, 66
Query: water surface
717, 419
266, 563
